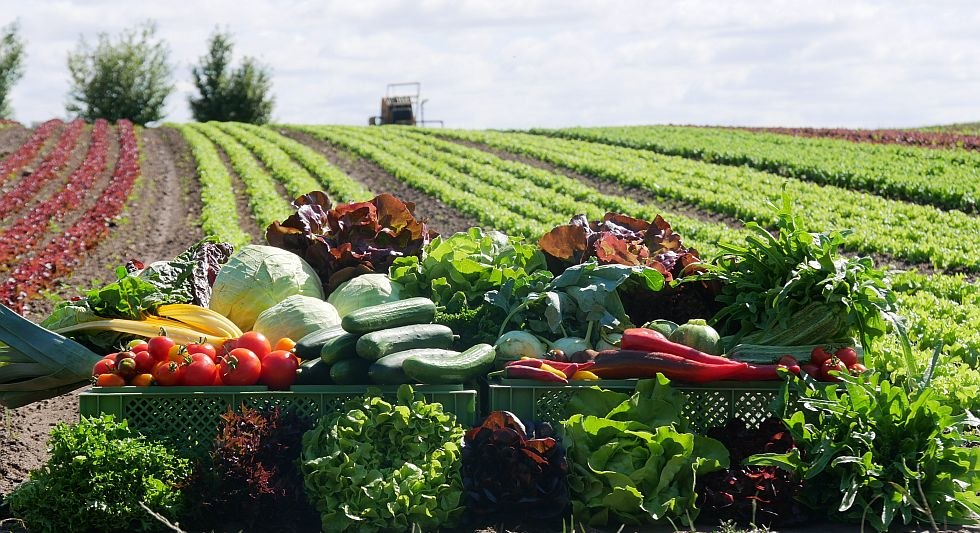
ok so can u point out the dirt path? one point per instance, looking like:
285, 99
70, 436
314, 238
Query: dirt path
158, 224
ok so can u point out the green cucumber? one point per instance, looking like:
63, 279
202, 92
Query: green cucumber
313, 372
353, 371
339, 348
439, 369
309, 346
377, 344
388, 370
416, 310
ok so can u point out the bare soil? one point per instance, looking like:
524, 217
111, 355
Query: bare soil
160, 222
12, 137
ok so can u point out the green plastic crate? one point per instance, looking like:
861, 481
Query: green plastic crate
189, 416
707, 405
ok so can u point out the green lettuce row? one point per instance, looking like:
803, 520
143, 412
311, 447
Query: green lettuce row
880, 225
948, 179
296, 180
219, 216
341, 187
263, 199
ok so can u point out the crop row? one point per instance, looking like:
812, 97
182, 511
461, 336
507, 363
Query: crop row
906, 231
60, 256
26, 188
295, 179
948, 179
927, 139
338, 185
265, 202
404, 154
26, 152
28, 230
219, 213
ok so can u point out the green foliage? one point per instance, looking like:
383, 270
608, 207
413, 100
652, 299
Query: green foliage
11, 64
630, 460
240, 95
374, 465
874, 453
99, 473
126, 79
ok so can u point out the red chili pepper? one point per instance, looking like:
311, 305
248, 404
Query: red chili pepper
558, 365
648, 340
530, 372
625, 364
757, 373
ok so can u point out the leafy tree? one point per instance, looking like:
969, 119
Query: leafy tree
241, 95
129, 78
11, 64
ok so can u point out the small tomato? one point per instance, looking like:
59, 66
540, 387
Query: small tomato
142, 380
284, 344
832, 364
126, 368
256, 342
857, 369
159, 347
811, 370
144, 362
240, 368
206, 348
279, 370
109, 380
199, 372
105, 365
818, 355
847, 355
167, 373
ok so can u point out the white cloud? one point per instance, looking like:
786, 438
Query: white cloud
521, 63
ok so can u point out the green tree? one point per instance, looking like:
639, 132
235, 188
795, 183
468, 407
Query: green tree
129, 78
11, 64
241, 95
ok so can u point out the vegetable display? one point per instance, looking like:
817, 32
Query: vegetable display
374, 465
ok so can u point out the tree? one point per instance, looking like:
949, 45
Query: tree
241, 95
11, 64
129, 79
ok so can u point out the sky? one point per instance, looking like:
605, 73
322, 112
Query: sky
552, 63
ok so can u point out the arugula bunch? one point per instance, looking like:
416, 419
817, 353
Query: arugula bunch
875, 453
630, 459
373, 465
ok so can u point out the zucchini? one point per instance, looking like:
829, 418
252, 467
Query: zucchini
416, 310
339, 348
815, 323
310, 345
313, 372
388, 370
439, 369
353, 371
377, 344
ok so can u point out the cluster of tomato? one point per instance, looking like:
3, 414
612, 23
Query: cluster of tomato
844, 360
248, 360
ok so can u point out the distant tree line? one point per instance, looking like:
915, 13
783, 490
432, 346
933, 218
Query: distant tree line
131, 77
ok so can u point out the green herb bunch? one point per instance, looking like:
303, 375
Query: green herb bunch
875, 453
374, 465
99, 476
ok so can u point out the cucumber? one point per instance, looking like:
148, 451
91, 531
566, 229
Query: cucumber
309, 346
388, 370
353, 371
313, 372
338, 348
439, 369
416, 310
377, 344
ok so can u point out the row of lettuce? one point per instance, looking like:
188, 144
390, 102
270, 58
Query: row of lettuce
384, 464
939, 308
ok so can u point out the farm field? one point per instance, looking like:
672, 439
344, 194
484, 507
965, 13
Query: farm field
77, 200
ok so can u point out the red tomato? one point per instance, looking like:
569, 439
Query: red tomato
109, 380
811, 370
217, 378
857, 369
832, 364
847, 355
279, 370
104, 366
159, 347
126, 368
255, 341
144, 362
200, 372
207, 348
818, 355
167, 373
240, 368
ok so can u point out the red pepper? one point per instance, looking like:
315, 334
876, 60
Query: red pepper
530, 372
568, 369
758, 373
648, 340
624, 364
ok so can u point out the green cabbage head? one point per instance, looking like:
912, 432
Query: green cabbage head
296, 317
364, 291
258, 277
